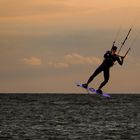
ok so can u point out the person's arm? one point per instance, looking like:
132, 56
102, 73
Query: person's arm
120, 61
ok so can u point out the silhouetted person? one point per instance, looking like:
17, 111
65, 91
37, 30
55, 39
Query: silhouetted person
110, 57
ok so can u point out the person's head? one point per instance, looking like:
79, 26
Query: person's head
114, 49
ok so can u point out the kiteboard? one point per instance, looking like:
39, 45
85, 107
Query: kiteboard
92, 90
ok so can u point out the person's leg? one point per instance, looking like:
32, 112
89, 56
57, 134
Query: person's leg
106, 78
97, 71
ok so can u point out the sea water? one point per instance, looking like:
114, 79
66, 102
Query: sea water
69, 117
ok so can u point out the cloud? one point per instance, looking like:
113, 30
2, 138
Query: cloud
79, 59
32, 61
74, 59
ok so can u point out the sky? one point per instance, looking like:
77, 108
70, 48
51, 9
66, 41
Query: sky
47, 45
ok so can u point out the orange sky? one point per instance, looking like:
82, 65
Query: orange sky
52, 43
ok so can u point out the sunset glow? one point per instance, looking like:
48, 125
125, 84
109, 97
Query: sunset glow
47, 45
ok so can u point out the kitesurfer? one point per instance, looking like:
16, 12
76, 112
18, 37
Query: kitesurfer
110, 57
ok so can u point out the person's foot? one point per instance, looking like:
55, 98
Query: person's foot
85, 85
99, 91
